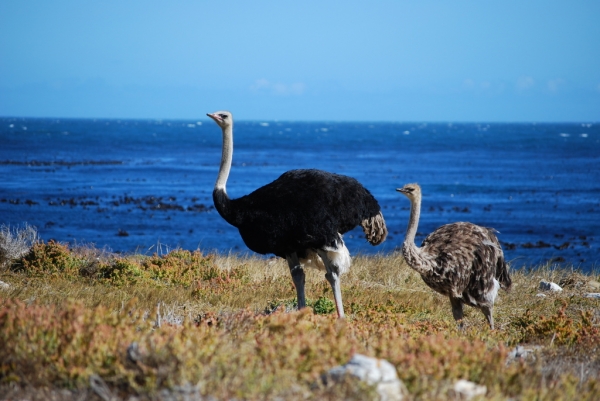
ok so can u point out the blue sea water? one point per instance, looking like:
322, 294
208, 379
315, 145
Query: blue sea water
145, 185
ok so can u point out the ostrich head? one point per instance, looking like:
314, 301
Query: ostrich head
411, 191
222, 118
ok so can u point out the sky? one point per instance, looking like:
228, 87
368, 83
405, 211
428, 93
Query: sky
402, 60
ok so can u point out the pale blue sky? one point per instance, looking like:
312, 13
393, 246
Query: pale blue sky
404, 60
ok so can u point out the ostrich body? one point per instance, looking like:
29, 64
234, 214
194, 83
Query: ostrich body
460, 260
300, 216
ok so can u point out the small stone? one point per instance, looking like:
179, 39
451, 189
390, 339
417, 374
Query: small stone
467, 390
549, 286
181, 393
375, 372
99, 386
525, 353
593, 284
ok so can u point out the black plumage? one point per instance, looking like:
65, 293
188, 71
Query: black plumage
301, 216
461, 260
300, 210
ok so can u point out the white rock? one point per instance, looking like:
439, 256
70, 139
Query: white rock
375, 372
549, 286
592, 295
4, 286
467, 390
593, 284
187, 392
525, 353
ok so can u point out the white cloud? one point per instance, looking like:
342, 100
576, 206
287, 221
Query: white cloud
555, 84
260, 84
489, 87
277, 88
525, 83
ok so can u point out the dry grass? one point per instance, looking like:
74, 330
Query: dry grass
15, 242
152, 326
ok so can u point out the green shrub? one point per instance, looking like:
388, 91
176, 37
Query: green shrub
122, 271
48, 258
323, 306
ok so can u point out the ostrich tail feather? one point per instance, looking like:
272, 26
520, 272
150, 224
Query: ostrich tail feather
375, 229
502, 275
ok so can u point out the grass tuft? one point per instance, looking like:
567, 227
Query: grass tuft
15, 242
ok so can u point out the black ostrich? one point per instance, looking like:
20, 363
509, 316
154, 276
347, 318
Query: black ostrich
300, 216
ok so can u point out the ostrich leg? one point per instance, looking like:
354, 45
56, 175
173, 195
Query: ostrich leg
487, 311
298, 277
457, 310
333, 276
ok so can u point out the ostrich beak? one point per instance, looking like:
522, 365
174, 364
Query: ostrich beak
214, 117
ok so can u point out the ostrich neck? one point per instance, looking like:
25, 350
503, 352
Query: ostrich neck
220, 197
413, 222
413, 254
226, 159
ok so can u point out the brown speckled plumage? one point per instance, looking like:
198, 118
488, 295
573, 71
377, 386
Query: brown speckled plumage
460, 260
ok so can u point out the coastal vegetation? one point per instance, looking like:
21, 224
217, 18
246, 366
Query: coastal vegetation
78, 322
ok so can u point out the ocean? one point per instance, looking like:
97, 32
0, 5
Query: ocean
146, 185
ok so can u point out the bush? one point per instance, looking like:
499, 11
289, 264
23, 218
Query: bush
121, 271
48, 258
561, 328
181, 267
323, 306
